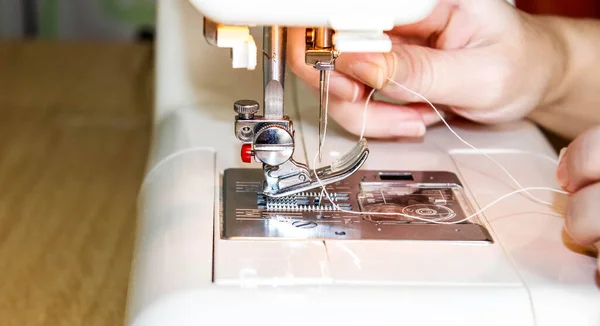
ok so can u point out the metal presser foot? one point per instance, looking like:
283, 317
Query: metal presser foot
292, 177
271, 142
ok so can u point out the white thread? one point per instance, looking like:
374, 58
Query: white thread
486, 207
508, 151
522, 189
473, 147
364, 125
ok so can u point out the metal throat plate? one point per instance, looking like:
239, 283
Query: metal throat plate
431, 195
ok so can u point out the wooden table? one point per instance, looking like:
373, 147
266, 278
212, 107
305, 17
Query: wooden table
74, 135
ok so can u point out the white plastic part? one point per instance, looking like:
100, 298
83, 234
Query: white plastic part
183, 273
230, 36
243, 47
354, 42
338, 14
244, 54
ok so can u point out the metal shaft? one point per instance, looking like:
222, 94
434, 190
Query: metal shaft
321, 113
274, 59
323, 38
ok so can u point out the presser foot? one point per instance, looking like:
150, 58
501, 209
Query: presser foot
293, 177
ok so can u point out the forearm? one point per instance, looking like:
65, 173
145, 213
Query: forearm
573, 104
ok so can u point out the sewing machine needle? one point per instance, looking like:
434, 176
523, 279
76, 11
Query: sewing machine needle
321, 118
323, 109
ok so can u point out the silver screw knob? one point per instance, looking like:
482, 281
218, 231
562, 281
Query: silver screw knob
246, 109
273, 145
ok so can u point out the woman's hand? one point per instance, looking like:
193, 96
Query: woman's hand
579, 173
483, 60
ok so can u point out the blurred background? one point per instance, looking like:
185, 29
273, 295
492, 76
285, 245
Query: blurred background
571, 8
76, 19
76, 82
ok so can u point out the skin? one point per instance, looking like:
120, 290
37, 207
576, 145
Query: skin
579, 173
490, 63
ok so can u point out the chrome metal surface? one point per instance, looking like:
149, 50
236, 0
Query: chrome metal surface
280, 179
313, 57
320, 54
273, 100
247, 213
323, 103
273, 145
340, 169
245, 129
274, 59
274, 56
319, 48
272, 134
246, 109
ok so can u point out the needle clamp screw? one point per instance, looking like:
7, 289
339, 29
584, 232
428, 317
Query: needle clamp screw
246, 109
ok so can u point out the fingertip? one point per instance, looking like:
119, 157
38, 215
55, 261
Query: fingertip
421, 128
369, 68
408, 129
580, 217
582, 160
384, 120
391, 60
432, 118
399, 129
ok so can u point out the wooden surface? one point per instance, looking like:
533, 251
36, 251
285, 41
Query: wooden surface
74, 135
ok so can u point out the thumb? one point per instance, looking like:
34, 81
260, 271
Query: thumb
466, 78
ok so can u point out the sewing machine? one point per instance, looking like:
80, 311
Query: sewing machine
233, 229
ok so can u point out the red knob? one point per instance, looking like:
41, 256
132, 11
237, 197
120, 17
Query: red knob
247, 153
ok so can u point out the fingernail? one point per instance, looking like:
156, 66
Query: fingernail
561, 154
410, 129
561, 171
431, 119
344, 88
369, 73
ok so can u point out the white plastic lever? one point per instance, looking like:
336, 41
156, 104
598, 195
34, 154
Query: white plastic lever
243, 47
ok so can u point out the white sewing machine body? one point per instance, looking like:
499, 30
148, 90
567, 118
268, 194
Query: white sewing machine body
185, 273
